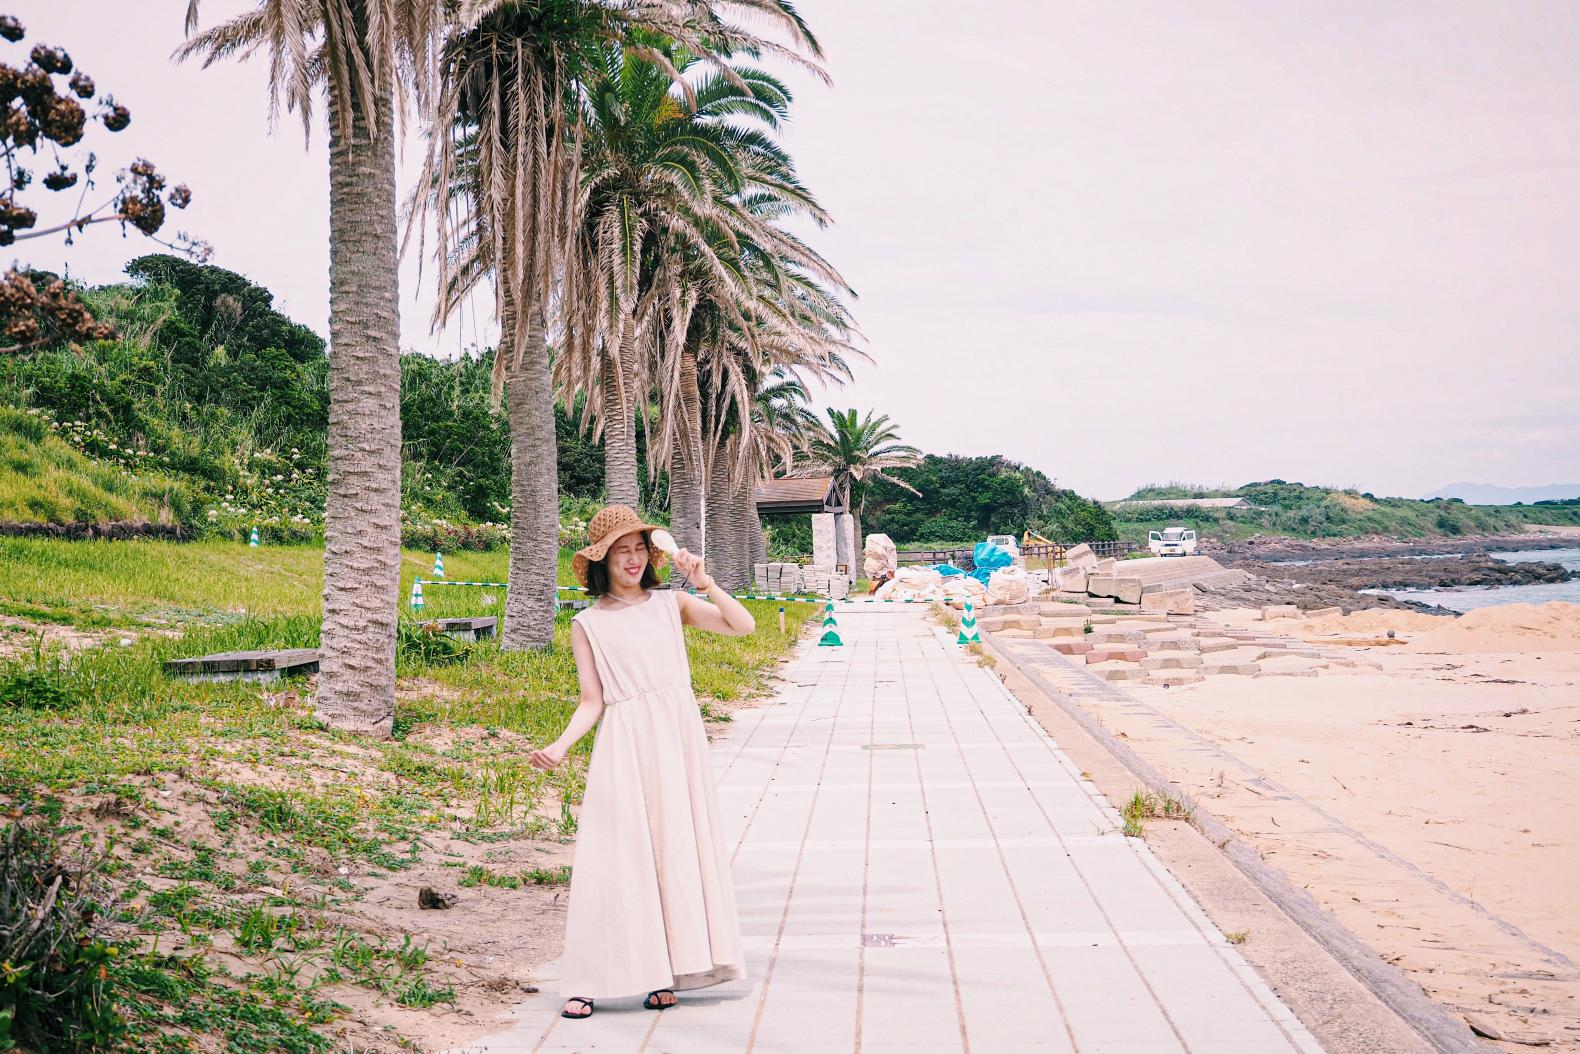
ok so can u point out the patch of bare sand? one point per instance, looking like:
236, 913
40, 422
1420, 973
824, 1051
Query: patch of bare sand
1432, 807
489, 946
19, 637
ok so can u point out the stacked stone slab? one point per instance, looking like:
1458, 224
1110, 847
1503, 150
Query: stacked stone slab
779, 579
826, 582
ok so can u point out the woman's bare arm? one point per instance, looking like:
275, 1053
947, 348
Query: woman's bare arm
725, 615
587, 712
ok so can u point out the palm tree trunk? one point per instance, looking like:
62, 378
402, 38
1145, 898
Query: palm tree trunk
739, 560
685, 508
756, 540
685, 465
718, 499
534, 490
356, 685
619, 422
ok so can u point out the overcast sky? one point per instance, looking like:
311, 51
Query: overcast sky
1122, 242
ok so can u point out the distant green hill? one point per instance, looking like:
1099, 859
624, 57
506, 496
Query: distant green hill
1305, 511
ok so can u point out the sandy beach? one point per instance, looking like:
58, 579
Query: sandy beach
1430, 804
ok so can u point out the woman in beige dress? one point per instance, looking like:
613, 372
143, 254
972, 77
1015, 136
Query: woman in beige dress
652, 908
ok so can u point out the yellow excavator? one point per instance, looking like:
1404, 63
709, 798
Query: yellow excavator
1052, 552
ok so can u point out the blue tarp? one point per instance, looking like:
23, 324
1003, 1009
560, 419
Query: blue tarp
986, 556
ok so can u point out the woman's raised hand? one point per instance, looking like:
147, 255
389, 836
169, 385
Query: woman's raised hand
547, 758
692, 566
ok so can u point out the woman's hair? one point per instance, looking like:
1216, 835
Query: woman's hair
598, 572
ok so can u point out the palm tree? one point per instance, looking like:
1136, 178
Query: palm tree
857, 451
365, 56
515, 76
665, 166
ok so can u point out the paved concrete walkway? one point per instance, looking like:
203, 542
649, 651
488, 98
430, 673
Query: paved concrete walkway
920, 868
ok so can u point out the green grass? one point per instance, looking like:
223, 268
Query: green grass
274, 785
1146, 805
155, 583
44, 480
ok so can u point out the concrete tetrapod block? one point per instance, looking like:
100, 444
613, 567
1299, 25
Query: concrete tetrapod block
1060, 629
1279, 652
1070, 647
1063, 610
1116, 637
994, 623
1170, 602
1109, 653
1160, 642
1123, 590
1272, 611
1211, 644
1121, 673
1171, 660
1244, 669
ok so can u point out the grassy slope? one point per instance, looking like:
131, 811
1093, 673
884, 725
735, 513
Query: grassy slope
44, 480
269, 794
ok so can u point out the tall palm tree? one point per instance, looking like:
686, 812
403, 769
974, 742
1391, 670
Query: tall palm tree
665, 163
365, 56
515, 76
856, 451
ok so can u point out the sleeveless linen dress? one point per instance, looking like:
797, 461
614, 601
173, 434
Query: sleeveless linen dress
651, 902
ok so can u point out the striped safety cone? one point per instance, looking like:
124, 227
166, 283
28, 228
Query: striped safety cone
438, 565
830, 638
968, 627
253, 540
416, 596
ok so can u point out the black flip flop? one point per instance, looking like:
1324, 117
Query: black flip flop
652, 1003
588, 1003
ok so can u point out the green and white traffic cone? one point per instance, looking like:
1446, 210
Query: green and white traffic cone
253, 541
968, 627
416, 596
830, 638
438, 565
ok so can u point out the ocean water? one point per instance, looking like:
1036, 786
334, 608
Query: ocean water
1486, 596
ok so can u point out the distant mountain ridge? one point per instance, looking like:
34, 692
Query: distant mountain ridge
1491, 494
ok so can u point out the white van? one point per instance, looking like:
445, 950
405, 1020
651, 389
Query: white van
1172, 541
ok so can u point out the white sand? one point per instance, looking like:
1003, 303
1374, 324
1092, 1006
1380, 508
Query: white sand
1523, 628
1421, 797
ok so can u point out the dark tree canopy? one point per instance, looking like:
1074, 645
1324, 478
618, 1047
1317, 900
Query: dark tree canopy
964, 498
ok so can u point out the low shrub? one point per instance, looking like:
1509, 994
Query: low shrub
56, 988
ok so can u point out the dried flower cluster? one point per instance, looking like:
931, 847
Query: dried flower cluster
39, 113
31, 317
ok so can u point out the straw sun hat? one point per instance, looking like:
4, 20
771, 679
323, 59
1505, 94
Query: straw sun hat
612, 523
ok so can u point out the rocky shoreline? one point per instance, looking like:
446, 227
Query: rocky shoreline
1453, 572
1314, 574
1266, 548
